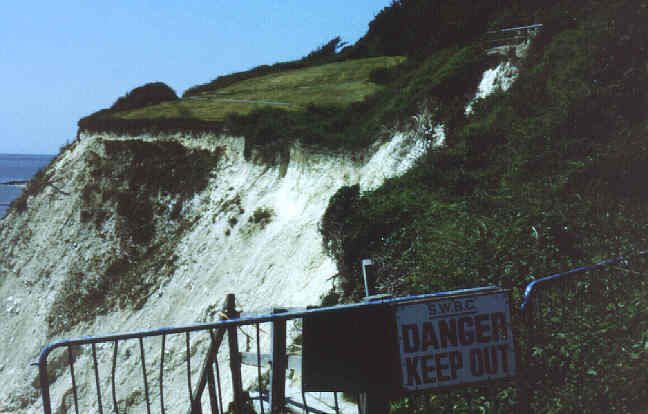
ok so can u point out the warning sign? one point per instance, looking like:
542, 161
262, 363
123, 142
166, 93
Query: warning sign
457, 340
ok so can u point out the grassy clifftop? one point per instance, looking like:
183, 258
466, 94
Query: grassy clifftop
341, 105
339, 84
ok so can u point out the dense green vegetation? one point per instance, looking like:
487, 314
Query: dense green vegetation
543, 178
149, 94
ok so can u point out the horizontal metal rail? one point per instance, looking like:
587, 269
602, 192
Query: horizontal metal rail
254, 360
517, 28
533, 287
530, 27
250, 320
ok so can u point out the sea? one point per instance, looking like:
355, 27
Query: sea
20, 168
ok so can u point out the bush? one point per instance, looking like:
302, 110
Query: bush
324, 53
261, 216
145, 171
103, 121
149, 94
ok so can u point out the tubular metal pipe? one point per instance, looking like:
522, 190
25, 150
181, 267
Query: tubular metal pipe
44, 386
146, 390
74, 388
304, 399
114, 367
162, 374
96, 371
191, 400
258, 347
218, 385
532, 287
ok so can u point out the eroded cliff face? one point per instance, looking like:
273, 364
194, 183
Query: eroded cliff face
138, 233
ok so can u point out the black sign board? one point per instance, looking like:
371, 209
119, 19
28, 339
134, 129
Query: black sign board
353, 350
455, 339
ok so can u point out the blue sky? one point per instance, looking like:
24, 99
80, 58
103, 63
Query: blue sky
62, 60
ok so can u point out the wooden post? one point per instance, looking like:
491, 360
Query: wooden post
235, 357
207, 368
211, 384
279, 363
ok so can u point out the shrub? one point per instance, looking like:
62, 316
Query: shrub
136, 208
324, 53
145, 170
149, 94
103, 121
261, 216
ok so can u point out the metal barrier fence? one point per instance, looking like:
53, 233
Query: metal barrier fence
211, 373
580, 334
510, 35
209, 378
586, 333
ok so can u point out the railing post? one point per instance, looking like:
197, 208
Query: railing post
44, 383
279, 363
372, 403
235, 357
524, 383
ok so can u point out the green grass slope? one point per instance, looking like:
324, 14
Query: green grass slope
338, 84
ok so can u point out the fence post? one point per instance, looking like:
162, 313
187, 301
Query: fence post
279, 363
372, 403
235, 357
207, 373
524, 383
44, 383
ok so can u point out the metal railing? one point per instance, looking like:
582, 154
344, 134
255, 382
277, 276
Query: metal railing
509, 36
210, 377
583, 336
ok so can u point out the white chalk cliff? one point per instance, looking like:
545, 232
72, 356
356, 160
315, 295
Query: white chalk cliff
58, 252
